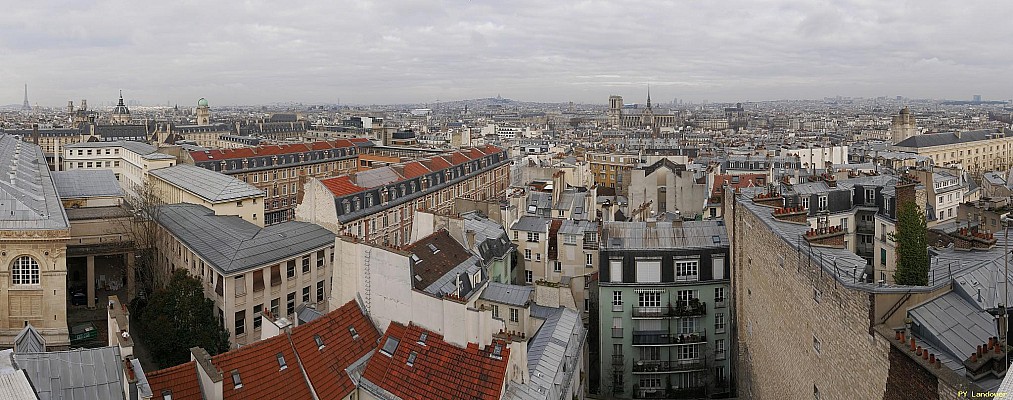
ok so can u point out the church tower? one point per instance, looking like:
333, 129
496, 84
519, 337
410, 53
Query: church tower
647, 118
203, 112
903, 126
615, 112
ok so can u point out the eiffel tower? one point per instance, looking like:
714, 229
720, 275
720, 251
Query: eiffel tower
26, 106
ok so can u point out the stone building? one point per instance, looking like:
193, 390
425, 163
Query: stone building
129, 161
975, 151
667, 187
34, 231
222, 194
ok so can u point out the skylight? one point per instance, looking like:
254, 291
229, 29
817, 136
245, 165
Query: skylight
236, 380
423, 337
281, 361
319, 340
355, 335
412, 357
390, 346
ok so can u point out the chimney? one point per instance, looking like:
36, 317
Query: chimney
470, 235
35, 134
209, 376
275, 327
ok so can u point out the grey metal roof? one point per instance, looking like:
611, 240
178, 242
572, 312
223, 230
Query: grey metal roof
948, 138
83, 374
29, 340
16, 386
376, 177
84, 183
554, 355
143, 388
215, 187
663, 235
530, 223
953, 324
577, 227
28, 198
231, 244
514, 295
491, 240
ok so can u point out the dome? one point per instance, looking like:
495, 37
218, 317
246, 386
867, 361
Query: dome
202, 102
121, 109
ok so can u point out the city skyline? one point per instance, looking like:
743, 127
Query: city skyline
362, 53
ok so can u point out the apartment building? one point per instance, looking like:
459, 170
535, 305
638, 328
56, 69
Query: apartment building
611, 169
223, 194
378, 204
667, 187
976, 151
130, 162
281, 171
247, 270
663, 304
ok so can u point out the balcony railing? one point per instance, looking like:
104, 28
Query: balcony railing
618, 359
617, 307
720, 303
617, 332
664, 338
657, 367
665, 393
694, 309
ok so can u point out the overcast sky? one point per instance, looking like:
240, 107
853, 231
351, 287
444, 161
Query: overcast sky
396, 51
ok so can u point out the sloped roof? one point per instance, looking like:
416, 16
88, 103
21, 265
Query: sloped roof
215, 187
515, 295
946, 138
326, 366
84, 183
260, 372
180, 381
75, 374
663, 235
16, 386
231, 244
29, 340
341, 186
28, 198
440, 370
438, 255
553, 353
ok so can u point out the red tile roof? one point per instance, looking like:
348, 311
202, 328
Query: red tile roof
260, 372
358, 140
326, 366
180, 380
458, 158
440, 371
342, 186
414, 169
437, 163
745, 180
475, 154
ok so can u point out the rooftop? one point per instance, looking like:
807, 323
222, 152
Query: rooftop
514, 295
439, 261
949, 138
553, 353
664, 235
86, 183
212, 186
231, 244
28, 197
74, 374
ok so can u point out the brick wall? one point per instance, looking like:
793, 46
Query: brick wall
908, 380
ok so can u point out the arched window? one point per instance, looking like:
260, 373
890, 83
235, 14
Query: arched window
25, 271
346, 206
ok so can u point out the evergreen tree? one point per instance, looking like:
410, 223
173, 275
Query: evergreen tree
179, 317
912, 246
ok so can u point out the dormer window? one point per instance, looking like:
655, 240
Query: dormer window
355, 334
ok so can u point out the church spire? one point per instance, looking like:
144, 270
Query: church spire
648, 96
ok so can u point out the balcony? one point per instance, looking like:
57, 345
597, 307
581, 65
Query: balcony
618, 359
617, 332
680, 310
664, 338
617, 307
865, 227
661, 367
720, 303
663, 393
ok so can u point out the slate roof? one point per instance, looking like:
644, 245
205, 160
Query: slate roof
180, 381
210, 185
947, 138
29, 340
491, 240
663, 235
514, 295
436, 268
440, 369
85, 183
530, 223
231, 244
75, 374
326, 366
554, 353
146, 150
16, 386
28, 198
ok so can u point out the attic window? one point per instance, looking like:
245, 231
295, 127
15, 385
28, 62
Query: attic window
319, 340
166, 394
390, 346
423, 337
412, 357
281, 361
236, 380
716, 239
416, 259
355, 335
497, 352
432, 247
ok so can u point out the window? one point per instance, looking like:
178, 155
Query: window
533, 236
527, 254
258, 280
306, 264
321, 256
320, 291
687, 270
615, 271
25, 271
589, 260
650, 299
513, 315
290, 269
239, 283
685, 296
844, 224
570, 239
617, 327
587, 305
236, 380
290, 305
240, 322
306, 294
805, 201
816, 344
687, 325
495, 311
648, 271
719, 296
617, 298
528, 277
557, 267
257, 318
882, 256
538, 257
719, 349
822, 203
690, 352
719, 322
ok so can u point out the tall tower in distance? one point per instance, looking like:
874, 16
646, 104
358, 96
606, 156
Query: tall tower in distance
615, 112
903, 126
26, 106
203, 112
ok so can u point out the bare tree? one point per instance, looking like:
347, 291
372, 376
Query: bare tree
143, 237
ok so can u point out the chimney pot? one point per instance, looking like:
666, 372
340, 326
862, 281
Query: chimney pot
932, 358
979, 350
919, 351
912, 344
974, 357
925, 355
